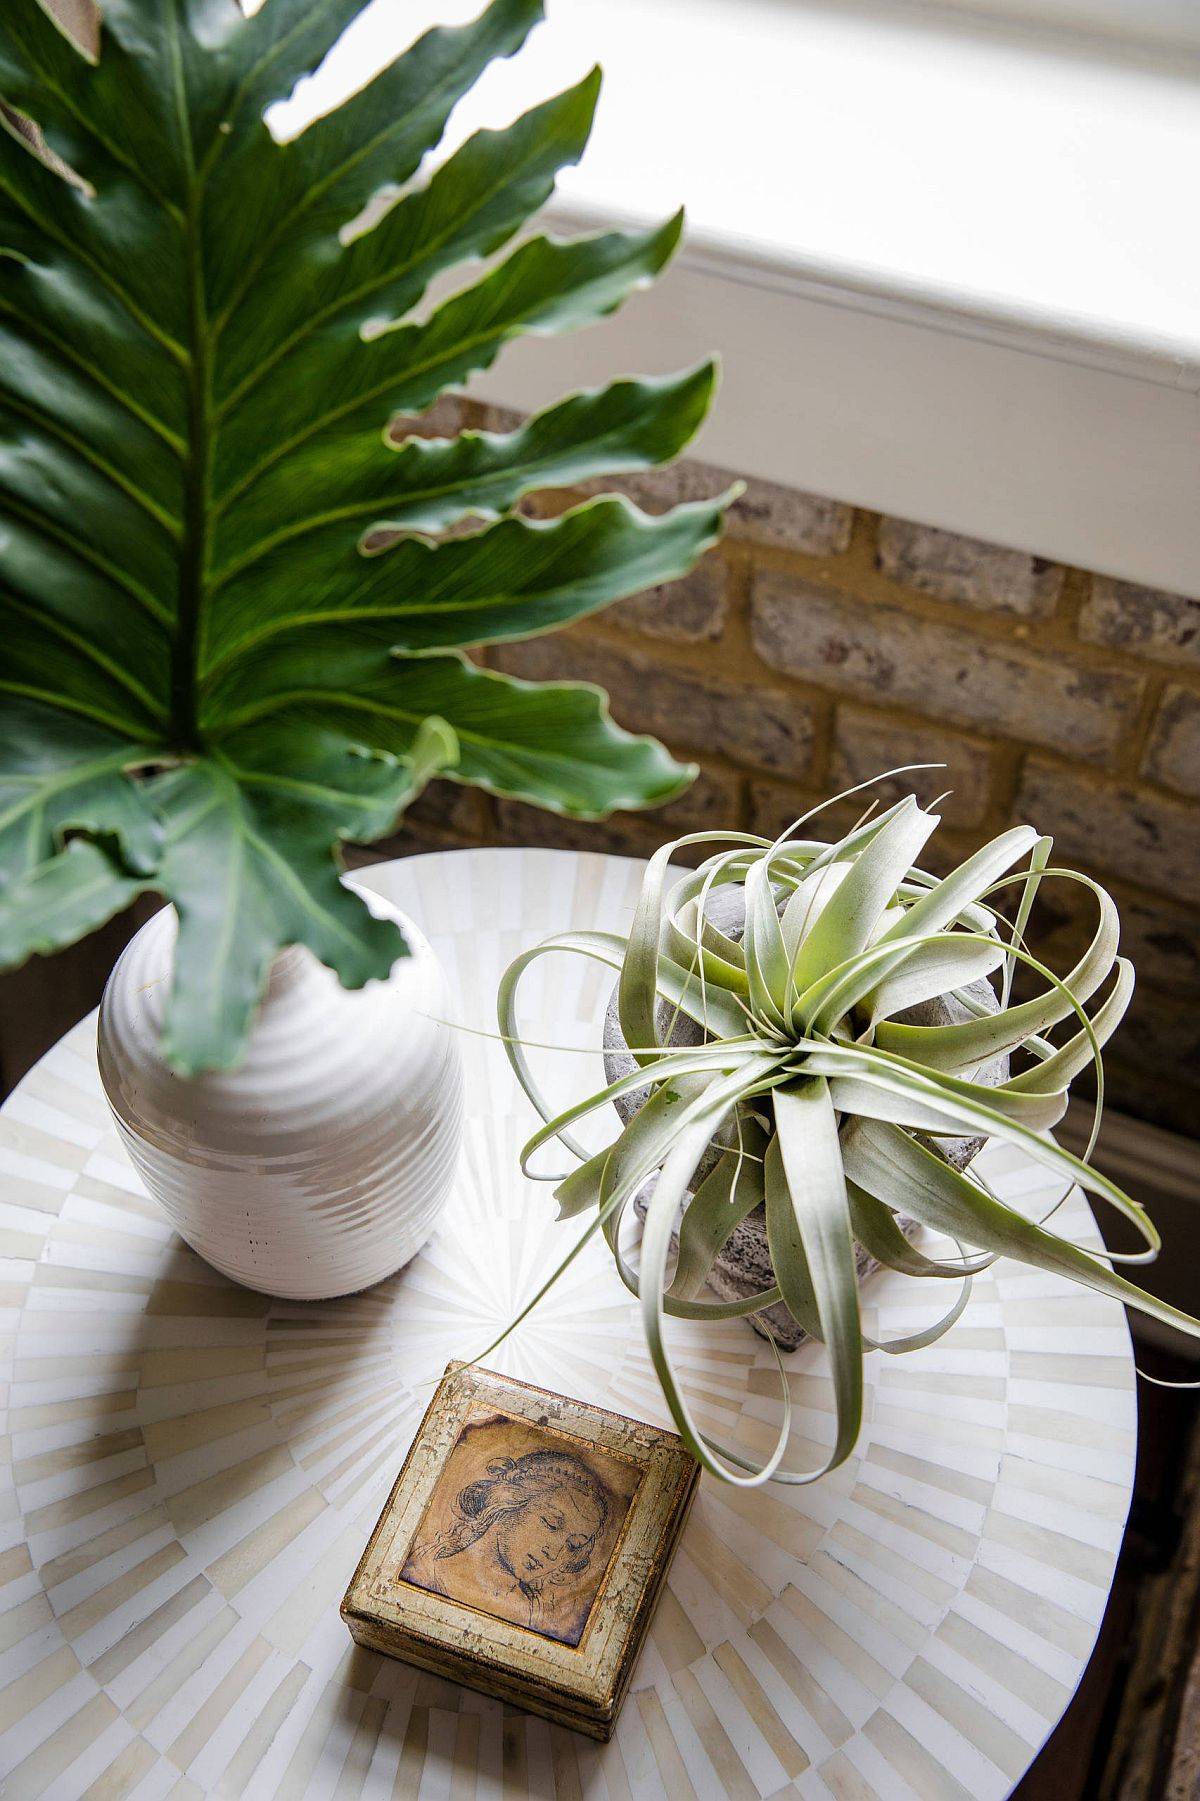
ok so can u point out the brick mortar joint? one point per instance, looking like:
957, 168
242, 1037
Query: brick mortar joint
747, 671
1130, 751
1075, 594
865, 527
695, 661
854, 572
1100, 776
751, 666
824, 717
1007, 768
683, 661
992, 625
1056, 632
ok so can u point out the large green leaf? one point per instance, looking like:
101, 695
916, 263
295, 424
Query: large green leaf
64, 897
552, 743
246, 833
218, 620
59, 773
340, 624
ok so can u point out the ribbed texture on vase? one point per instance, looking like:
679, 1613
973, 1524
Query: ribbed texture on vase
318, 1166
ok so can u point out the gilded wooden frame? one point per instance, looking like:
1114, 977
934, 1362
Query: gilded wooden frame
576, 1684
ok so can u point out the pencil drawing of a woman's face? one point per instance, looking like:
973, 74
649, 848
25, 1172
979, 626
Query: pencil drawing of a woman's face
528, 1527
551, 1535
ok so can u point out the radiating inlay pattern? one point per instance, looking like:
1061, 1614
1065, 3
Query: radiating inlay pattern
192, 1471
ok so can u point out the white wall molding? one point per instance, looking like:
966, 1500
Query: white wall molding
948, 264
1170, 359
1042, 452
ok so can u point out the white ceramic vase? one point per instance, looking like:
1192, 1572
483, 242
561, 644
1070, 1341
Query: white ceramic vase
320, 1164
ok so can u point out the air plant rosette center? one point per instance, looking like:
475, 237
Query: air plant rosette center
809, 1091
742, 1266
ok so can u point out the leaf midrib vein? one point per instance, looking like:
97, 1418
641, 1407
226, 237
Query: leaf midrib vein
92, 652
100, 883
190, 596
460, 347
388, 710
244, 830
106, 143
66, 703
395, 610
111, 763
341, 797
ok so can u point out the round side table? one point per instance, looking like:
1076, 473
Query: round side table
191, 1472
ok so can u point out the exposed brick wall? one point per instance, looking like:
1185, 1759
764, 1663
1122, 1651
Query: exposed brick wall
818, 645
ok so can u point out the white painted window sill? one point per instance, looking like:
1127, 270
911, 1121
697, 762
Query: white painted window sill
950, 269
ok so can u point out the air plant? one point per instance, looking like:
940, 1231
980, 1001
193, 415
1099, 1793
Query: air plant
826, 1105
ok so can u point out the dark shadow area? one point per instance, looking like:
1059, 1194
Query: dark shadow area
48, 995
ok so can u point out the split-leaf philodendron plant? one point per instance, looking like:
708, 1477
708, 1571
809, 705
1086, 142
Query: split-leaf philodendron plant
831, 1106
210, 671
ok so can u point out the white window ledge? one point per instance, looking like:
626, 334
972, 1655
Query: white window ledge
951, 270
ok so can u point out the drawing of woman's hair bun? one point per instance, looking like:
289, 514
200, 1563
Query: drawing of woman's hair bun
473, 1499
511, 1482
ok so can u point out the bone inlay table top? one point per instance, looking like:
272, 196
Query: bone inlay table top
191, 1471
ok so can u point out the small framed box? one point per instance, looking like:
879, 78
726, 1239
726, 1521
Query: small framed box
523, 1547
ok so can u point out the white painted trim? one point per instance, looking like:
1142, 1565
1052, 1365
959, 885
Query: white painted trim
954, 427
1173, 360
947, 262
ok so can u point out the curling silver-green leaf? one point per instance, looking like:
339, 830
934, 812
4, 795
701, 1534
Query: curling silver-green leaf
808, 1229
825, 1093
